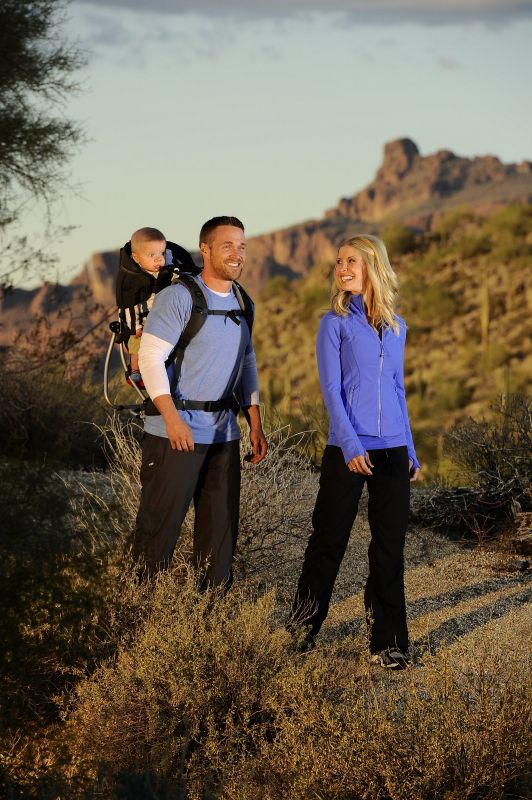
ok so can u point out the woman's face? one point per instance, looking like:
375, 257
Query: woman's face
350, 272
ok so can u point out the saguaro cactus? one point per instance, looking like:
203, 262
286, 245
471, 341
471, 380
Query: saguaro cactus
484, 311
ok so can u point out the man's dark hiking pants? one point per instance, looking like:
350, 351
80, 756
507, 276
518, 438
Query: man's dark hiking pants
171, 479
334, 514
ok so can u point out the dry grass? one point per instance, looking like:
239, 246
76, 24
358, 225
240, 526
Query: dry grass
212, 699
202, 696
277, 495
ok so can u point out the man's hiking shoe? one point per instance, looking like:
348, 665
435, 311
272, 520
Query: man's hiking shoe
136, 379
391, 658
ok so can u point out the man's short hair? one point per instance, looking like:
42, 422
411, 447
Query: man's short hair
210, 226
146, 235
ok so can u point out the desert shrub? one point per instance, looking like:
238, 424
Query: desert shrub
474, 244
192, 679
514, 220
276, 287
54, 595
399, 239
453, 222
277, 495
47, 414
434, 304
314, 298
499, 449
495, 458
450, 394
210, 699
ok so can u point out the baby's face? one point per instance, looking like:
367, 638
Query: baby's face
150, 256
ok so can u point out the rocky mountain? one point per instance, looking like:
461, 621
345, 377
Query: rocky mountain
408, 188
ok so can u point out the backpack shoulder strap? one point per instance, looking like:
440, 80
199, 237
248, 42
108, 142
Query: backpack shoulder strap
198, 314
246, 304
197, 319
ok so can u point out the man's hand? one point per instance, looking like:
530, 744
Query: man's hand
179, 434
259, 446
257, 438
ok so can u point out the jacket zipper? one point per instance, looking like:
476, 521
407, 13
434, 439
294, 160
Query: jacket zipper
379, 390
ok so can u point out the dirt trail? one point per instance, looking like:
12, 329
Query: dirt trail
458, 596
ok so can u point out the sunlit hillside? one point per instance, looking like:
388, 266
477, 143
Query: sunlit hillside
467, 300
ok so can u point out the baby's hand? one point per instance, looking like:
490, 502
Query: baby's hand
138, 333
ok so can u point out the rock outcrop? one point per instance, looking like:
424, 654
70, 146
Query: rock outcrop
407, 181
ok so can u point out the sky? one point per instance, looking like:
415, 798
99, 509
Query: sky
272, 110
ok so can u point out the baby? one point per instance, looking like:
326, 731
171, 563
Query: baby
145, 269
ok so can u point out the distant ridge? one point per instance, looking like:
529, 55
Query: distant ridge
409, 188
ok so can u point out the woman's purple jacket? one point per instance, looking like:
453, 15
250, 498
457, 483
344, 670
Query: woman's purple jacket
362, 382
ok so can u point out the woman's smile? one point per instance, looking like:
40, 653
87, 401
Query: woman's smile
351, 271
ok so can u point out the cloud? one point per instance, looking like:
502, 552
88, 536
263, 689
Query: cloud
449, 63
106, 31
393, 11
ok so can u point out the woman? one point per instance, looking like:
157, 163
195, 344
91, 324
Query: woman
360, 349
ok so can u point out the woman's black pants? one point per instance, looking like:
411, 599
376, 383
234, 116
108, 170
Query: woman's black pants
334, 514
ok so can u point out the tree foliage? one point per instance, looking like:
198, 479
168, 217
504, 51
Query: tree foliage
36, 77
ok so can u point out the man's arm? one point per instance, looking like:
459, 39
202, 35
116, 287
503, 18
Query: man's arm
179, 434
163, 327
257, 438
248, 396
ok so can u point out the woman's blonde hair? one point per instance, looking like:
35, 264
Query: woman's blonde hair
381, 292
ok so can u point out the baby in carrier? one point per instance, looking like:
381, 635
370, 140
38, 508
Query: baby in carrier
147, 265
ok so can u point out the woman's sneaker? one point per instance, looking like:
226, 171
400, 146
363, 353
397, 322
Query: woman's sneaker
391, 658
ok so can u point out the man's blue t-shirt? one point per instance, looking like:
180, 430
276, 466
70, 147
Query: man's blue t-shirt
219, 359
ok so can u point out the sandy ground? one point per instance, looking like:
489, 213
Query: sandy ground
459, 596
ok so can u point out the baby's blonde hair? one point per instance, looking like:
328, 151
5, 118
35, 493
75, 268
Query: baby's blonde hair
146, 235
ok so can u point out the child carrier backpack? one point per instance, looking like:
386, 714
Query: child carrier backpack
134, 286
182, 270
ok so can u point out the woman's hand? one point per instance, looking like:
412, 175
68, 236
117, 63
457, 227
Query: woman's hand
415, 473
361, 464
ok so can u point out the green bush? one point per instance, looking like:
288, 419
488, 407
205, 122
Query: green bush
314, 298
48, 415
454, 221
435, 304
513, 220
278, 286
54, 593
475, 244
450, 394
398, 239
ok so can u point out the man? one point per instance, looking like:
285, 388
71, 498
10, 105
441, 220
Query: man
190, 449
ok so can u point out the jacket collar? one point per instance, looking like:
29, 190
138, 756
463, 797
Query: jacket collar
357, 303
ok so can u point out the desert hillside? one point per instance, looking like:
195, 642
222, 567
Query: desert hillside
466, 296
